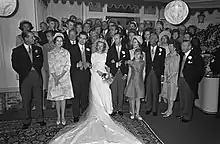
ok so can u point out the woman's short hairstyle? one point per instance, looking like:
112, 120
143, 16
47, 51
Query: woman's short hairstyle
51, 32
22, 23
175, 43
105, 45
139, 50
58, 35
176, 31
166, 36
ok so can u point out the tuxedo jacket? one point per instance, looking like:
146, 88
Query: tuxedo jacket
193, 70
112, 59
158, 63
75, 56
43, 38
22, 64
66, 40
145, 46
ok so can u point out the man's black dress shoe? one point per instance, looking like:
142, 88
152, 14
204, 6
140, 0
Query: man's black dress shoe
120, 113
113, 114
42, 123
147, 112
179, 117
154, 113
184, 120
76, 119
25, 126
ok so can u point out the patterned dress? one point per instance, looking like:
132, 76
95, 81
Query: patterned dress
170, 87
135, 86
59, 60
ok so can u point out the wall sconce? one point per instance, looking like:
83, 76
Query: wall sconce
201, 17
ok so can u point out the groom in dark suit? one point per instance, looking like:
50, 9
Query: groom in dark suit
27, 61
191, 73
116, 57
155, 58
80, 74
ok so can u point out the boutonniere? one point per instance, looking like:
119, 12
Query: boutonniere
36, 51
123, 52
113, 61
160, 53
189, 62
160, 49
87, 49
190, 57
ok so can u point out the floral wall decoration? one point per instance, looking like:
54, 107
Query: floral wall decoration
210, 43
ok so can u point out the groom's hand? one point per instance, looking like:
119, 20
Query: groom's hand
124, 77
79, 65
88, 65
99, 73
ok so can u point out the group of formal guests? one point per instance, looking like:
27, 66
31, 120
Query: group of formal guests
148, 64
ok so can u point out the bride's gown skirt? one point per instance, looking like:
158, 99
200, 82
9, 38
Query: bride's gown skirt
96, 126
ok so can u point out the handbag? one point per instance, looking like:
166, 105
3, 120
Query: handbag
56, 91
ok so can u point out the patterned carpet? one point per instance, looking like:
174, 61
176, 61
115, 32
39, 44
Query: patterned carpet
11, 133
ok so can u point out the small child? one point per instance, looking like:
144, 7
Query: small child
135, 87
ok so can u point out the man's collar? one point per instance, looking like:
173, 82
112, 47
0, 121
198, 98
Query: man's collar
27, 46
187, 53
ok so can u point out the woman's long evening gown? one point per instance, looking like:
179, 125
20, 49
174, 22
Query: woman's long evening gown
96, 126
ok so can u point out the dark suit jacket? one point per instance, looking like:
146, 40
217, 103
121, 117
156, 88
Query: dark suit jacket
112, 58
158, 64
43, 38
66, 40
75, 56
21, 62
145, 46
196, 45
193, 71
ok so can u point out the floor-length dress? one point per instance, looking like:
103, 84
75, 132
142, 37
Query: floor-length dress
96, 126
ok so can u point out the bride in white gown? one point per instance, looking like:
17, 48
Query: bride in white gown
96, 126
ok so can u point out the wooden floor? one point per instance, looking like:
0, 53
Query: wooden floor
203, 129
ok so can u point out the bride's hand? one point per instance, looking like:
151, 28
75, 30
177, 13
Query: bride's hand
100, 73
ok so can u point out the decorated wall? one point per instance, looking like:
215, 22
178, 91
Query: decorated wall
8, 31
60, 10
35, 12
210, 17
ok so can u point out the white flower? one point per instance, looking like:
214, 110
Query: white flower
160, 50
123, 52
36, 51
113, 61
87, 49
159, 54
190, 57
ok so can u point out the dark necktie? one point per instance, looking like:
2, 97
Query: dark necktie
182, 65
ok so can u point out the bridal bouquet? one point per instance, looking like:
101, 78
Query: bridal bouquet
107, 77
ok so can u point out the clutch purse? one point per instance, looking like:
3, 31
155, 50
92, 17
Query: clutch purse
56, 91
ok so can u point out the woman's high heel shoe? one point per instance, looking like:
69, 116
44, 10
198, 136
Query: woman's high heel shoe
139, 117
58, 122
63, 122
132, 117
167, 114
164, 112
